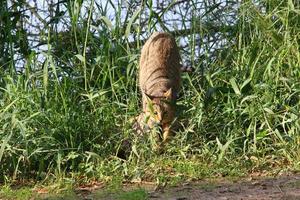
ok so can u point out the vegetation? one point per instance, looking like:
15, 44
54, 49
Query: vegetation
68, 90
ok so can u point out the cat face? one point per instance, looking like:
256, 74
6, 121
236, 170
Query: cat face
160, 111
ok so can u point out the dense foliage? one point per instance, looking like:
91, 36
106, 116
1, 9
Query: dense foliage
68, 89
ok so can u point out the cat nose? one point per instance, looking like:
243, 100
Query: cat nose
159, 121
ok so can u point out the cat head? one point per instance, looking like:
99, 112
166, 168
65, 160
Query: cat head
160, 110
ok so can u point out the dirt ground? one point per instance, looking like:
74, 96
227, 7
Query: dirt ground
287, 187
282, 187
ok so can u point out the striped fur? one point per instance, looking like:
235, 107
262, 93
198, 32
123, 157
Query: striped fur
159, 81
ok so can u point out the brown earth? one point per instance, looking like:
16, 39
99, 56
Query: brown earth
260, 188
285, 187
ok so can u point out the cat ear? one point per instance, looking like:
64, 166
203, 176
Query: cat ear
168, 94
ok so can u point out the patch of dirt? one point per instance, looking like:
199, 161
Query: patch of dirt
259, 188
287, 187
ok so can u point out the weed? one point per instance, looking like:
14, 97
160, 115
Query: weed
68, 96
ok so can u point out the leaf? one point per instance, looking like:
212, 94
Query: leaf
223, 148
261, 135
7, 107
132, 19
268, 70
80, 57
92, 155
4, 143
235, 86
269, 111
245, 83
248, 98
134, 150
291, 5
45, 75
107, 22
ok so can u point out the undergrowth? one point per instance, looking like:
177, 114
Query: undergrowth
66, 117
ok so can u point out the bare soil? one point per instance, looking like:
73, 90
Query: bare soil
259, 188
287, 187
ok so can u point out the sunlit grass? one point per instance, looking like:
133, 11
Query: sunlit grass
241, 115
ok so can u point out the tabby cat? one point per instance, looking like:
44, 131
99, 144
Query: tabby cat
159, 81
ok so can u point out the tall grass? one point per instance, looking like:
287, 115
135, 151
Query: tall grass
71, 113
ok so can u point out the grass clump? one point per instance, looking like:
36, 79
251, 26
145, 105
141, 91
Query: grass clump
8, 193
66, 111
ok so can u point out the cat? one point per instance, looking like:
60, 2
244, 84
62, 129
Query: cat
159, 82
